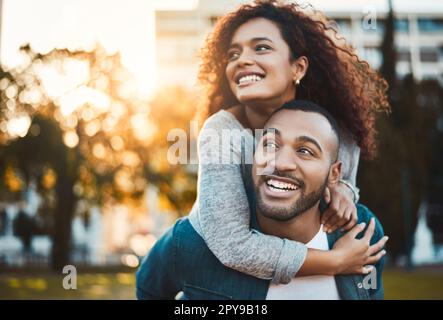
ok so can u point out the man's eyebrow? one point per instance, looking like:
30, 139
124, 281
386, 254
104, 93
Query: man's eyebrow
271, 130
309, 139
256, 39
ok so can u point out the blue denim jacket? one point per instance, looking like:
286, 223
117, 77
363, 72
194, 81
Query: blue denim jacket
180, 262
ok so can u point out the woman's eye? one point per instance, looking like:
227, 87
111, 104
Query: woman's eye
262, 47
233, 55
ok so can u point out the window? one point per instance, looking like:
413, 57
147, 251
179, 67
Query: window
344, 25
372, 55
401, 25
377, 26
430, 25
429, 55
404, 55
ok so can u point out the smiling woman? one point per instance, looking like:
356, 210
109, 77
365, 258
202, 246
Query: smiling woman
259, 68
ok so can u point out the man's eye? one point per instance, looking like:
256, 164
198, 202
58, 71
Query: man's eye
305, 151
270, 145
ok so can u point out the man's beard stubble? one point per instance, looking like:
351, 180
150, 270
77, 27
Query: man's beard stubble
304, 203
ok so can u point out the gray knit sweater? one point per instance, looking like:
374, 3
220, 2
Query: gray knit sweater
221, 212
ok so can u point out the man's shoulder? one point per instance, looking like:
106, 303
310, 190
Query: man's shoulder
364, 213
169, 248
181, 234
183, 226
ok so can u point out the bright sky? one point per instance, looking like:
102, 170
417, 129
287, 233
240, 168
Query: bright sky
123, 25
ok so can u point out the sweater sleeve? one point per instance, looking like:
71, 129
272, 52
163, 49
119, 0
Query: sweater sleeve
224, 215
349, 154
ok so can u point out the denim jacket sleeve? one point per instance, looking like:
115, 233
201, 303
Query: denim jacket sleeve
156, 278
365, 215
378, 293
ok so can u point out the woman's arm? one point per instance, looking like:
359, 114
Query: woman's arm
349, 154
341, 199
349, 254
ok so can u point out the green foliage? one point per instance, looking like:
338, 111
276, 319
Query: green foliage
90, 139
405, 173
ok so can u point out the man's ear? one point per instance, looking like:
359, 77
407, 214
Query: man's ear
299, 67
334, 173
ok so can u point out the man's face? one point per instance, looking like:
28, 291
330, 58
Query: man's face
293, 162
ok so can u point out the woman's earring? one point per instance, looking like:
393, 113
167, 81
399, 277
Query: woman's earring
297, 82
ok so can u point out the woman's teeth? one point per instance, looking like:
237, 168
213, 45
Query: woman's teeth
251, 78
279, 186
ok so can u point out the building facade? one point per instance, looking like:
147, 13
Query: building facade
418, 35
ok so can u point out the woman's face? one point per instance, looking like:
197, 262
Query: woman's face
259, 67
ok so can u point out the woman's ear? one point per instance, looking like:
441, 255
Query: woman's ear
299, 68
334, 173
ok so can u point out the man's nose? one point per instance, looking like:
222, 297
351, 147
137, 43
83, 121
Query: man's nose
285, 160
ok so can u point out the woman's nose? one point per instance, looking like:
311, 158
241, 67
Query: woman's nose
245, 59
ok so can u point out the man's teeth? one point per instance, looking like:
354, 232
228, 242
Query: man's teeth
251, 78
279, 186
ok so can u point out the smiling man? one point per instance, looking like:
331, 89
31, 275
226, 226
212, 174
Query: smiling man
295, 161
299, 151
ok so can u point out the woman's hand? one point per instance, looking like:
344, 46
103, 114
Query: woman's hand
356, 256
341, 212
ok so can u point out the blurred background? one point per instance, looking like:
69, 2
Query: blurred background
89, 91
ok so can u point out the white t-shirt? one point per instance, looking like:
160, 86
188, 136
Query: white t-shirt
307, 288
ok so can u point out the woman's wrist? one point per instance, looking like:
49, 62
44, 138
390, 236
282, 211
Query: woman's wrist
351, 188
336, 261
321, 262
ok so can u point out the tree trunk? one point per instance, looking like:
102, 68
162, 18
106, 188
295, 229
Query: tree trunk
61, 245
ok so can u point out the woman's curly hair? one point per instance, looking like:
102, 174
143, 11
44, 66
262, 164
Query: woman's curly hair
336, 78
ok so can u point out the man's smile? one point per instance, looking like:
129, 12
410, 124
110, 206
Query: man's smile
279, 187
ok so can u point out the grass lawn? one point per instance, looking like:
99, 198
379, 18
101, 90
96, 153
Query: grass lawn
399, 284
420, 284
50, 286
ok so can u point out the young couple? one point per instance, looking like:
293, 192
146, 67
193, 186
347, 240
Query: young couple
289, 228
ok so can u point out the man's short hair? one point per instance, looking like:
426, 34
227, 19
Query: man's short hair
309, 106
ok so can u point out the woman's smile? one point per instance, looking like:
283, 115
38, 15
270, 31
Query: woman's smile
248, 80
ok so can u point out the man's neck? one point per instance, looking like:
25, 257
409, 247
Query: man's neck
301, 228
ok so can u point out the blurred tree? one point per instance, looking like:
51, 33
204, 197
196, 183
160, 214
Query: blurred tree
72, 123
431, 98
402, 155
180, 105
388, 50
23, 226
